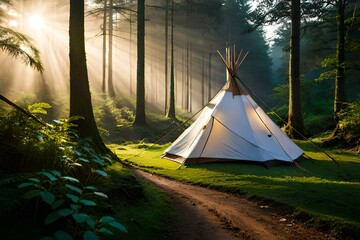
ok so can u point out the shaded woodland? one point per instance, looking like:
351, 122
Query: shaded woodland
181, 39
79, 75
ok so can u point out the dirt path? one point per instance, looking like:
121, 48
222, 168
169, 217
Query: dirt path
212, 215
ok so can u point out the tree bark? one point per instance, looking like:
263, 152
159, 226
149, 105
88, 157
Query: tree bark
166, 53
80, 98
130, 54
103, 88
340, 61
171, 112
209, 78
295, 126
140, 117
110, 57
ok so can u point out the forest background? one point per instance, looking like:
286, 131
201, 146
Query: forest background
199, 29
51, 173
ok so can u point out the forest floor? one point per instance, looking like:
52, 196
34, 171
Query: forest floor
213, 215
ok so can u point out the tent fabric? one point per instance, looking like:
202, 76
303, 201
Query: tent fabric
232, 127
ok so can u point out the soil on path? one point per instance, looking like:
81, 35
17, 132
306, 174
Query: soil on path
212, 215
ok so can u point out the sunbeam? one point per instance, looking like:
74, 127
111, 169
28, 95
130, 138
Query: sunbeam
47, 23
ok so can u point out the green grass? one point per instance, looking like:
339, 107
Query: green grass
318, 187
143, 213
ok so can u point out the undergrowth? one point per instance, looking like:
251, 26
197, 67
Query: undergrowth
49, 177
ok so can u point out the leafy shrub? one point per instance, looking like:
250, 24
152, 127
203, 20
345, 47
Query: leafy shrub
55, 166
26, 145
110, 115
318, 123
350, 122
69, 199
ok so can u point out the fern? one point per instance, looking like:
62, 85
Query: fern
39, 108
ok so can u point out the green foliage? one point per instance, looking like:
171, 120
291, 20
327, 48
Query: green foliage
330, 65
318, 123
68, 198
10, 197
53, 165
20, 46
109, 114
317, 105
350, 122
39, 108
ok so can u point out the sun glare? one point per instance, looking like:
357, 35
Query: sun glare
36, 21
13, 23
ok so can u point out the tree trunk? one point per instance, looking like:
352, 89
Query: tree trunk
103, 88
110, 57
130, 54
187, 102
203, 77
340, 61
171, 112
190, 79
140, 117
209, 79
295, 126
166, 53
80, 98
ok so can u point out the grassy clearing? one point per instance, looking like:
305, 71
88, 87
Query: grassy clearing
319, 191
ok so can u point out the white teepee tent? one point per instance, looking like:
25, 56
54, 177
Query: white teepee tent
232, 127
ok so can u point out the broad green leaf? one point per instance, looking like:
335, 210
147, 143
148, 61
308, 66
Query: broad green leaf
49, 175
57, 203
89, 235
106, 219
61, 235
47, 197
91, 188
81, 217
32, 193
102, 173
34, 180
73, 198
56, 173
75, 207
101, 194
71, 179
91, 223
106, 231
118, 226
27, 184
83, 160
77, 153
99, 161
74, 188
52, 217
106, 159
87, 202
65, 212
